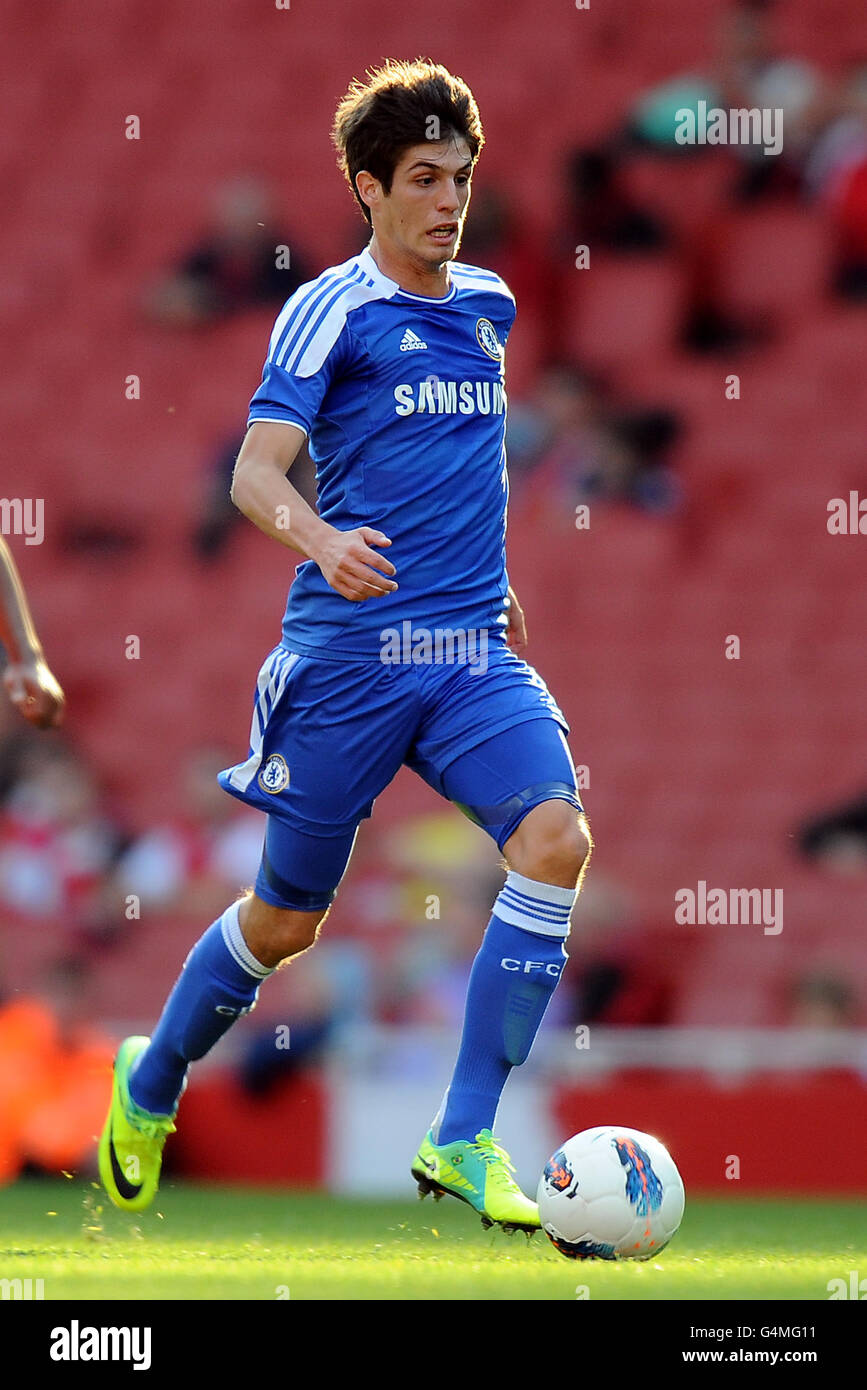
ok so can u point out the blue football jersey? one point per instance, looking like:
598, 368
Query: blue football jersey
403, 400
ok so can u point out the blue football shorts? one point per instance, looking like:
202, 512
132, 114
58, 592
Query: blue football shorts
328, 736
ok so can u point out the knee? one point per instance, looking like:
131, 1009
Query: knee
274, 934
551, 845
564, 855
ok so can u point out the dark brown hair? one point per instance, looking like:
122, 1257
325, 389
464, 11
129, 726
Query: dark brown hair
377, 120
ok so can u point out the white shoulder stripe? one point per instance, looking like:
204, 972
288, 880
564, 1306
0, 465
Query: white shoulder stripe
295, 316
474, 269
311, 322
291, 309
471, 276
305, 322
312, 350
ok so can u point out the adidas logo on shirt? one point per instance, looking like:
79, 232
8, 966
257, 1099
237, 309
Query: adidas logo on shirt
410, 342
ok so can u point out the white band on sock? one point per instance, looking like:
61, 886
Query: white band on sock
541, 908
237, 947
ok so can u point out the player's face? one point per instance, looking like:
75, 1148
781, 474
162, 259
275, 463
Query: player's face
423, 215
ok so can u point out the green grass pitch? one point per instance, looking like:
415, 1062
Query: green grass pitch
202, 1242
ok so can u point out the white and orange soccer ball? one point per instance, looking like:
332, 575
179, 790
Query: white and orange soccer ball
611, 1194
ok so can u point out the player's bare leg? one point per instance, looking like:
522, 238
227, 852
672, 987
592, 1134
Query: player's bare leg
551, 845
275, 934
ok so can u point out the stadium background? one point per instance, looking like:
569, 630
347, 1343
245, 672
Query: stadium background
725, 1040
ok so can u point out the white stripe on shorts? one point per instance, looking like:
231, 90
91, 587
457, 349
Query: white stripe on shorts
273, 679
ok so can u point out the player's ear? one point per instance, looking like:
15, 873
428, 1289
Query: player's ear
369, 188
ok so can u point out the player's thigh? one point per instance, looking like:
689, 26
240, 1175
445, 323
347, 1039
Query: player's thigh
326, 738
500, 781
299, 870
517, 776
496, 777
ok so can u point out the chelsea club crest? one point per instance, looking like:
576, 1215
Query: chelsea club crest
274, 776
487, 336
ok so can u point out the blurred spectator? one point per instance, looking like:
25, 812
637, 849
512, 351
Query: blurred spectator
588, 448
308, 1003
499, 239
621, 970
603, 212
754, 75
836, 177
747, 73
496, 238
54, 1071
239, 264
57, 842
823, 999
16, 742
837, 840
610, 210
211, 848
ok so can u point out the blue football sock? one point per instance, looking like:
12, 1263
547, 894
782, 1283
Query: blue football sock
513, 977
219, 981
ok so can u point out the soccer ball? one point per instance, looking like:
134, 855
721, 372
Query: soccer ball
610, 1194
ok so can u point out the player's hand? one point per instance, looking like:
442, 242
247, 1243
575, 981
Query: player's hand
352, 568
516, 632
35, 692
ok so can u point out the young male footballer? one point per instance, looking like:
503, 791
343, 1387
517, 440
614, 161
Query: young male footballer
30, 684
391, 364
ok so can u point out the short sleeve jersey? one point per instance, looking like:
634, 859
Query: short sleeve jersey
403, 399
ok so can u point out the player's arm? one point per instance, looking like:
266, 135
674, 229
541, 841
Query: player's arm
516, 632
31, 686
262, 491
